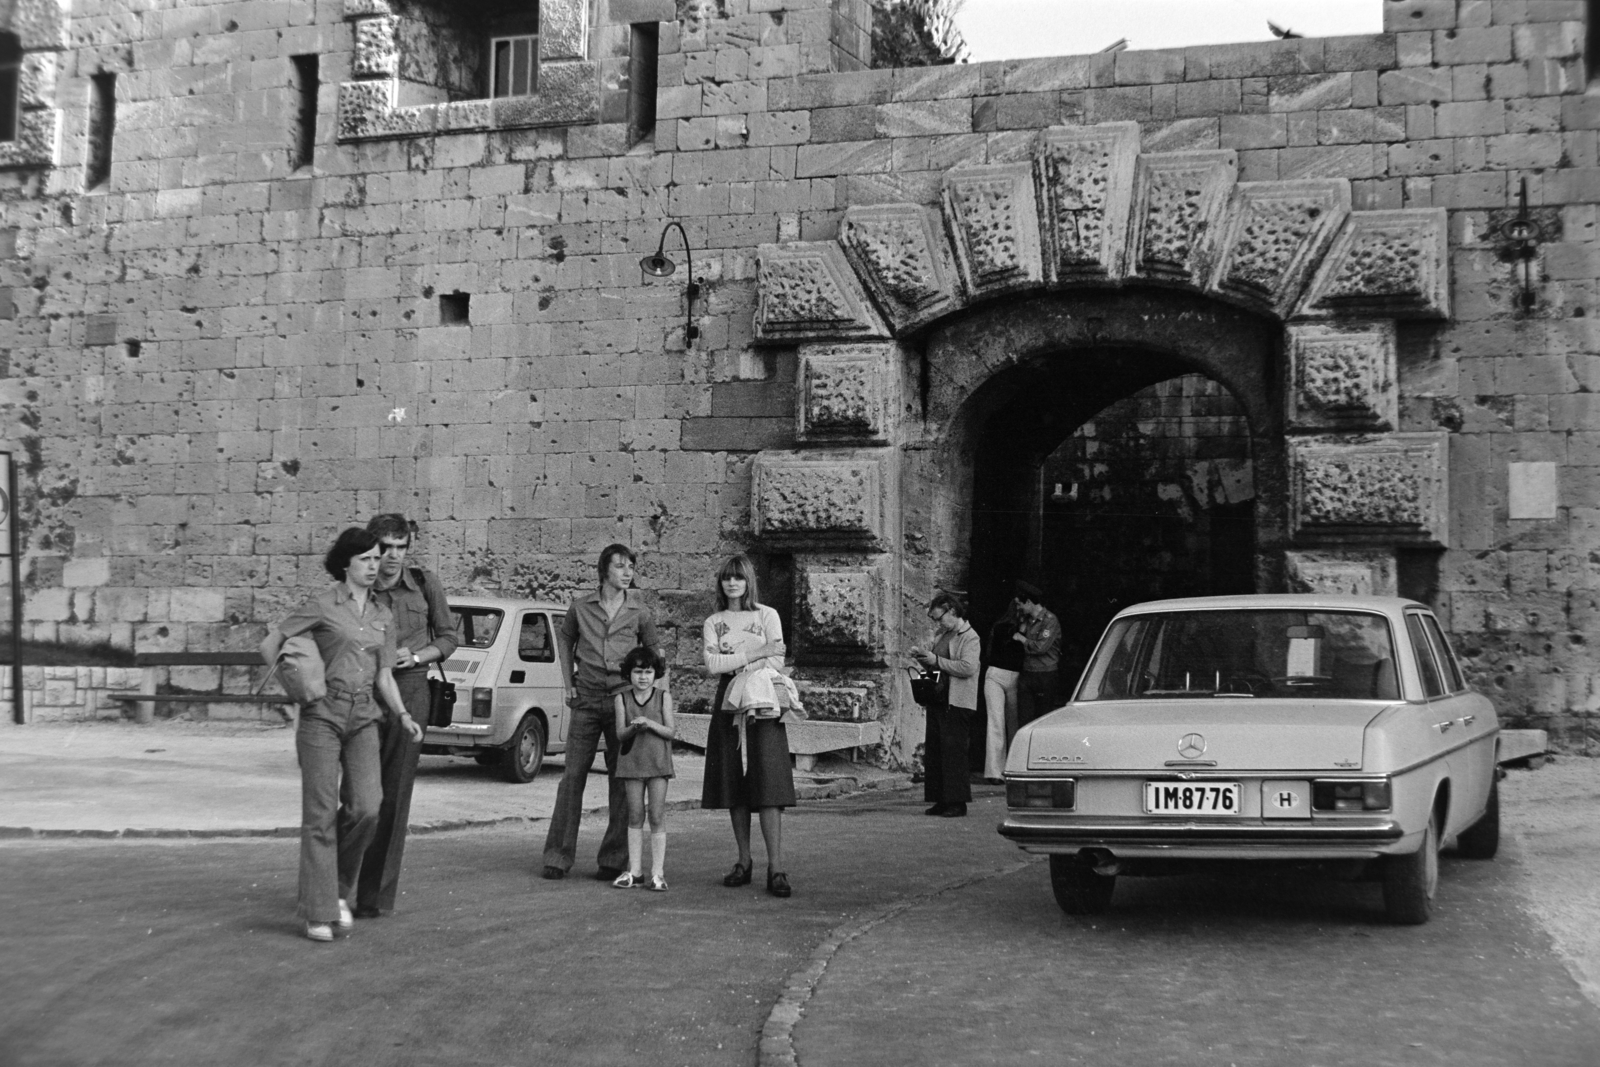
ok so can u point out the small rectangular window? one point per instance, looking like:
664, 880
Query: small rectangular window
1432, 683
102, 129
455, 309
514, 65
643, 49
533, 643
306, 83
10, 80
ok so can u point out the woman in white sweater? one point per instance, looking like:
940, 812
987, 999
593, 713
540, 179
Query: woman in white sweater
747, 750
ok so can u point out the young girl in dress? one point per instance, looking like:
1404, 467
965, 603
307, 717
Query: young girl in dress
645, 729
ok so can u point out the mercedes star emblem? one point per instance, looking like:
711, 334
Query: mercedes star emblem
1191, 746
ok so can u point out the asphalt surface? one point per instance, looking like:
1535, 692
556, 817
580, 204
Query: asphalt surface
908, 940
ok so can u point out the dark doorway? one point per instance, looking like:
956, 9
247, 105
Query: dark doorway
1134, 481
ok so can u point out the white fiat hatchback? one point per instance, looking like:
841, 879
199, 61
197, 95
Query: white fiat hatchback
512, 681
1251, 729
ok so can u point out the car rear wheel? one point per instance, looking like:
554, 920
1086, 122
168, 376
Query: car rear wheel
1078, 889
525, 754
1481, 840
1409, 882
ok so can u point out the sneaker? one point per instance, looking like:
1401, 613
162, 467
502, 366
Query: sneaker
346, 919
656, 884
627, 880
319, 931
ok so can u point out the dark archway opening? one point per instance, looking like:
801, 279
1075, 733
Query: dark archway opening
1107, 478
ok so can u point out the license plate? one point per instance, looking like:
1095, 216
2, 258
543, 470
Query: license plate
1191, 798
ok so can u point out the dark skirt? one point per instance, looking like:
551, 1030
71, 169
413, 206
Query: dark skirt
770, 781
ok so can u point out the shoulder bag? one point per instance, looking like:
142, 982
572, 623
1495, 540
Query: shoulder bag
441, 690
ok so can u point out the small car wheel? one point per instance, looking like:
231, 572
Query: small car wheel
1078, 889
1481, 840
1409, 882
525, 754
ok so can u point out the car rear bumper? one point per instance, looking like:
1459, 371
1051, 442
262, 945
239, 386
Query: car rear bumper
1046, 832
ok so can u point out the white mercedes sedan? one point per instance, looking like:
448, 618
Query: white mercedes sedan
1308, 729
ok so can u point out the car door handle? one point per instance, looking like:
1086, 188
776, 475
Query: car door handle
1444, 727
1467, 720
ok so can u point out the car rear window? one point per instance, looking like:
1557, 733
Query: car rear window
1344, 655
477, 627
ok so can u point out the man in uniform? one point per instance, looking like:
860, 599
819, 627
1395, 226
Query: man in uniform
424, 633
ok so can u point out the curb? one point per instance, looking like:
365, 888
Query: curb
828, 790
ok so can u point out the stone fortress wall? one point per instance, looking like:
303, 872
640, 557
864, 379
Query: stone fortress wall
215, 359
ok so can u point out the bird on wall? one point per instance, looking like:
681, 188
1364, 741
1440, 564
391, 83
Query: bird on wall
1282, 32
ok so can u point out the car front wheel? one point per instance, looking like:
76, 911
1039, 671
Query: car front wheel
1078, 889
1481, 840
1409, 882
525, 754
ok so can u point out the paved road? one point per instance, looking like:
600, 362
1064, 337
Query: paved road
909, 940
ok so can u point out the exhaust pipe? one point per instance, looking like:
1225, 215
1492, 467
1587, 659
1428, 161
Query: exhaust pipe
1102, 861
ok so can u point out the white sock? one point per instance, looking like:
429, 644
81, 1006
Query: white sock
635, 850
658, 853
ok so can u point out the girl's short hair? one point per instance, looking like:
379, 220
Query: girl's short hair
951, 603
352, 543
643, 656
739, 566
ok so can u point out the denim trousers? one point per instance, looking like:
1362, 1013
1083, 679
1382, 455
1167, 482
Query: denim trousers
593, 717
337, 739
397, 757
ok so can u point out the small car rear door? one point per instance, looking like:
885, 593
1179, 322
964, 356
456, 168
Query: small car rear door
532, 667
1473, 724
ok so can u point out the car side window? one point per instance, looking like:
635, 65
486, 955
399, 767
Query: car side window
533, 641
1447, 656
1432, 683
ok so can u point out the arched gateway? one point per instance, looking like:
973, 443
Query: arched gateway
1039, 291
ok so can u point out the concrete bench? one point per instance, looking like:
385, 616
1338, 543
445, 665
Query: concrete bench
807, 740
144, 703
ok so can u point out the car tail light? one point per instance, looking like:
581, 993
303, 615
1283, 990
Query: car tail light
1350, 796
482, 703
1035, 793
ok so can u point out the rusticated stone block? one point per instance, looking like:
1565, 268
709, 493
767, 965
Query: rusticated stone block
1342, 573
818, 500
36, 82
1178, 202
836, 703
40, 25
1342, 377
355, 9
563, 29
377, 51
845, 393
1390, 488
569, 94
1086, 179
1273, 237
38, 134
900, 252
1385, 264
993, 219
807, 290
839, 613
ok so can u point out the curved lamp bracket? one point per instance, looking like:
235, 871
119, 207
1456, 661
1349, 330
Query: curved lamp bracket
659, 265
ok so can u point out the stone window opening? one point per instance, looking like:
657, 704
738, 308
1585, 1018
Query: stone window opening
306, 85
102, 130
1591, 43
10, 79
455, 309
424, 67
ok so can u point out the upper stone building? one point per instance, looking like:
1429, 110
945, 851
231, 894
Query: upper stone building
1308, 314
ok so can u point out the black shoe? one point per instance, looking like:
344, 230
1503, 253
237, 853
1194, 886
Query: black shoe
740, 875
554, 874
954, 811
994, 781
778, 884
368, 911
937, 809
607, 874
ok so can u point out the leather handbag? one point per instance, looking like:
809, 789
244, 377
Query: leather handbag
299, 670
441, 700
928, 687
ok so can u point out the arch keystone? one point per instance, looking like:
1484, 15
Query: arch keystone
994, 223
901, 254
1086, 187
1274, 235
1178, 203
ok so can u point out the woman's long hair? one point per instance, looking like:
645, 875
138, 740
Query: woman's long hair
739, 567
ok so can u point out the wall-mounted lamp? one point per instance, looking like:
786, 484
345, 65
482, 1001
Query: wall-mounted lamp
659, 266
1523, 236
